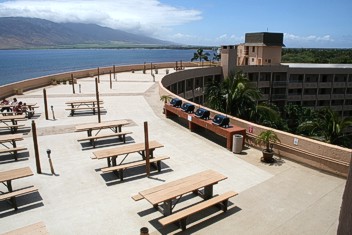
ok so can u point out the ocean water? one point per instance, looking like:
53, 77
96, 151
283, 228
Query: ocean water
17, 65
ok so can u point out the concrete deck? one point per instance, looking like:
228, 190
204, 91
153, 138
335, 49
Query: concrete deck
281, 198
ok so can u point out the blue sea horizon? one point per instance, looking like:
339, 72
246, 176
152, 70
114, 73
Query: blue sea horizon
18, 65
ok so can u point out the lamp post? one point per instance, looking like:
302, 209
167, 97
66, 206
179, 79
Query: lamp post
48, 151
52, 110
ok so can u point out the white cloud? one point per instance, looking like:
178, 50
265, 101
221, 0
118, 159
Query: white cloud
311, 38
139, 16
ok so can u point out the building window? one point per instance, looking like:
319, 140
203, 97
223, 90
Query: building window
253, 49
252, 59
269, 61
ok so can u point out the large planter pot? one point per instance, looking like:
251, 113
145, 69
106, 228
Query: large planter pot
268, 156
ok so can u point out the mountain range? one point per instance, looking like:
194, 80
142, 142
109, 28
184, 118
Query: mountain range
26, 33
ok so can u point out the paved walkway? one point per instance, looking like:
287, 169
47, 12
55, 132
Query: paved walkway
283, 198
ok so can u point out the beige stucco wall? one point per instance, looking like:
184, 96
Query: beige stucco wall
316, 154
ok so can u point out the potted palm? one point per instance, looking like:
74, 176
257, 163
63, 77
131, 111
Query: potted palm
267, 138
165, 99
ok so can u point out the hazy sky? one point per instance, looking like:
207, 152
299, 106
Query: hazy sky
305, 23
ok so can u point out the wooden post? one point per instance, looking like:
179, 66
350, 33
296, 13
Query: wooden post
98, 75
151, 68
45, 105
144, 68
176, 66
73, 85
181, 64
110, 81
114, 72
97, 97
146, 142
36, 151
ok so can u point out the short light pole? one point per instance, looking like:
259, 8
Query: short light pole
52, 110
48, 151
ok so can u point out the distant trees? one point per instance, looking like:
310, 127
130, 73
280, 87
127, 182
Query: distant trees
309, 55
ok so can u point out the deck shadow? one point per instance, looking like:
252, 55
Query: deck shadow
135, 173
197, 221
25, 203
9, 157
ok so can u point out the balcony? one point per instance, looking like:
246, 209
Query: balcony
347, 107
294, 97
308, 97
336, 108
280, 84
323, 97
349, 84
339, 84
294, 85
265, 97
262, 84
348, 96
310, 85
279, 96
337, 96
325, 85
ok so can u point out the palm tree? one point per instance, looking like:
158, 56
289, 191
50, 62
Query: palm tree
241, 97
328, 126
214, 95
200, 55
295, 115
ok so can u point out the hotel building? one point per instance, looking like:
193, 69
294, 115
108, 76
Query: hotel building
309, 85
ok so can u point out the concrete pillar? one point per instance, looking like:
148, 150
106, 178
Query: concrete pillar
228, 59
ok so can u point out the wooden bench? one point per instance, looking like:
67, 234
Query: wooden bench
37, 228
122, 167
92, 139
14, 150
11, 195
82, 108
182, 215
13, 128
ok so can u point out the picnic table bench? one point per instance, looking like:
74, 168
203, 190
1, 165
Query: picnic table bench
6, 177
166, 196
115, 126
182, 215
112, 153
12, 140
13, 119
83, 105
120, 168
33, 229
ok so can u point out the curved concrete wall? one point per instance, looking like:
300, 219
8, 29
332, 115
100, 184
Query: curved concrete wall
9, 89
313, 153
316, 154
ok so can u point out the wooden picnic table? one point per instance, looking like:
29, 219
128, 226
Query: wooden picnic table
13, 119
82, 105
10, 139
6, 177
112, 153
168, 194
115, 125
